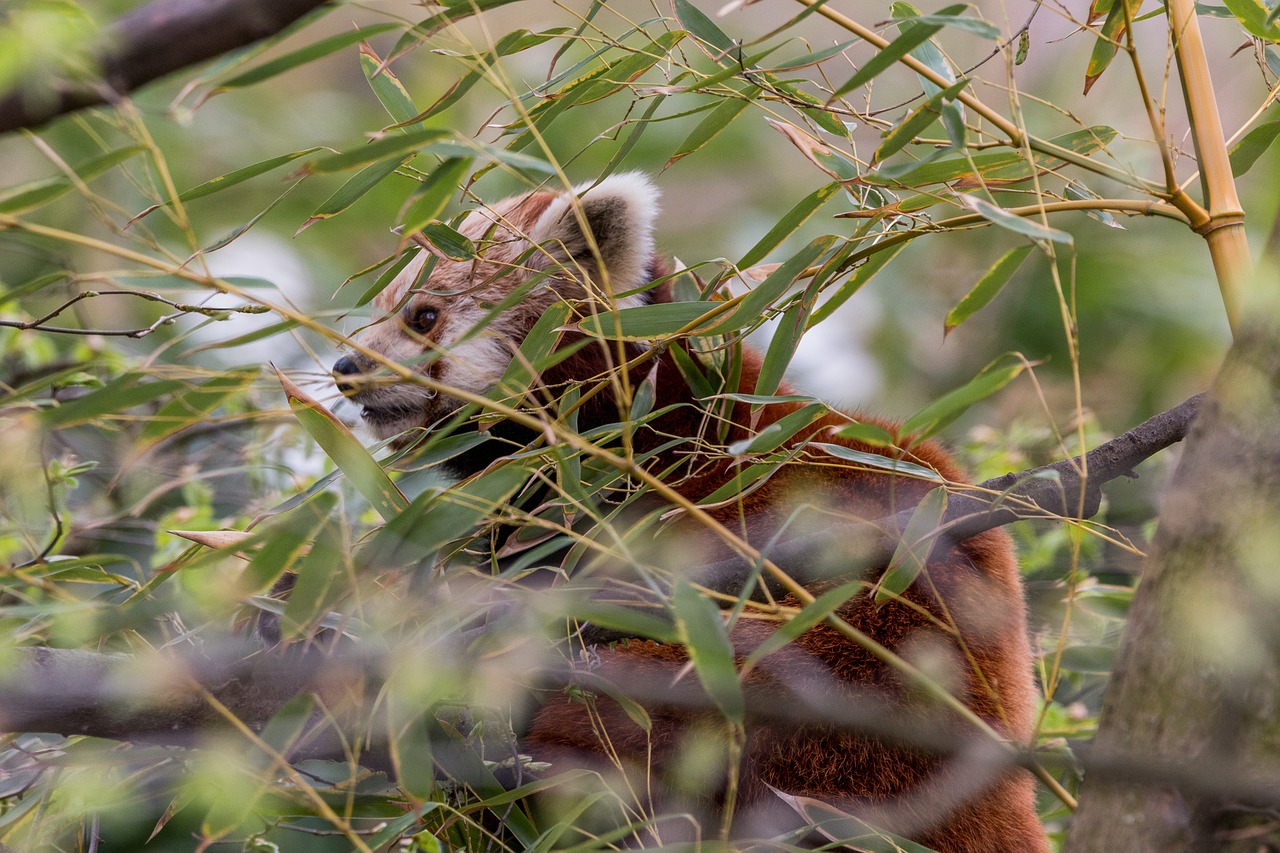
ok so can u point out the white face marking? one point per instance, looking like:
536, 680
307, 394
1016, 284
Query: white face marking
518, 238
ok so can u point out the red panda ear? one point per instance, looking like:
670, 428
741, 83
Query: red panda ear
619, 213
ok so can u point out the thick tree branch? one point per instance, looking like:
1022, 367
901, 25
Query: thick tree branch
1063, 489
154, 40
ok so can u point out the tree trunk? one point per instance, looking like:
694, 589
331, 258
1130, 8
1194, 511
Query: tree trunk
1197, 679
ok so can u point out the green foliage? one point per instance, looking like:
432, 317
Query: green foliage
134, 401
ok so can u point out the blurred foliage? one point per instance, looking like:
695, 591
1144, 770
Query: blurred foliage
155, 256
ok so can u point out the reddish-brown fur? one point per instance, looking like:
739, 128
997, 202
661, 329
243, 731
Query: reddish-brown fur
962, 620
976, 588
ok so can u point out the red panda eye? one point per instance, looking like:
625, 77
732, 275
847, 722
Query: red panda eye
422, 319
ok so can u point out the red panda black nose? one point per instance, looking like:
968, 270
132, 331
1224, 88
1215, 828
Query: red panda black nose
345, 367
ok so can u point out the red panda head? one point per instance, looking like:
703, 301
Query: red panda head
593, 244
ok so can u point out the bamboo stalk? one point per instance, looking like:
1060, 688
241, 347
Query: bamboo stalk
1224, 228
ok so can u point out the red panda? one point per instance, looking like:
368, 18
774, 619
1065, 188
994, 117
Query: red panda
962, 620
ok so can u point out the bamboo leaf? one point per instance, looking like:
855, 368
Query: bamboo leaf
913, 549
702, 631
753, 306
713, 123
700, 26
998, 168
646, 322
916, 121
353, 190
438, 516
36, 193
1012, 222
875, 460
778, 433
448, 241
346, 451
855, 283
230, 179
1255, 16
195, 404
393, 145
1106, 45
387, 88
951, 405
316, 571
286, 539
798, 215
429, 200
114, 398
991, 283
1254, 144
812, 613
785, 341
912, 37
302, 56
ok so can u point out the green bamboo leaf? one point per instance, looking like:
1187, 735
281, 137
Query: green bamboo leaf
713, 123
1256, 17
537, 347
646, 322
875, 460
951, 405
429, 200
30, 286
1077, 191
702, 631
700, 26
991, 283
912, 37
1012, 222
786, 339
45, 190
754, 305
195, 404
809, 616
353, 190
913, 548
855, 283
346, 451
805, 60
998, 168
230, 179
283, 542
316, 572
876, 436
626, 620
976, 26
798, 215
438, 516
778, 433
448, 241
917, 120
386, 87
114, 398
302, 56
394, 270
390, 146
1254, 144
1109, 38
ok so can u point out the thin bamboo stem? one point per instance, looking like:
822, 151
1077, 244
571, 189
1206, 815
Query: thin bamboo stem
1223, 229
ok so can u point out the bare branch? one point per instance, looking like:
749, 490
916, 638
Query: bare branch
1064, 489
154, 40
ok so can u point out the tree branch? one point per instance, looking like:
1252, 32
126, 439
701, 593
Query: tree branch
154, 40
1063, 489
